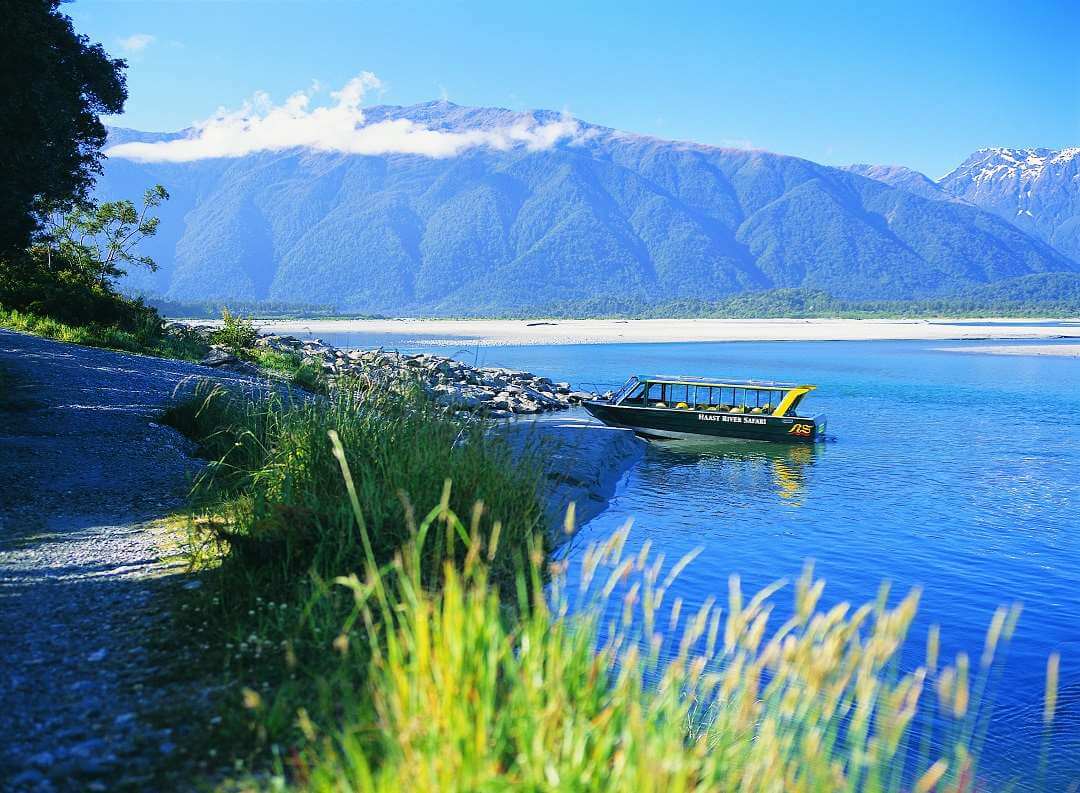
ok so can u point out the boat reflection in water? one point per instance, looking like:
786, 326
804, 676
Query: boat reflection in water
746, 466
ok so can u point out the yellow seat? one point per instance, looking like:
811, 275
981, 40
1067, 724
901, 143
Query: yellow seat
756, 410
681, 406
739, 409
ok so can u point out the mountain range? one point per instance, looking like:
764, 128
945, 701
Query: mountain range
520, 226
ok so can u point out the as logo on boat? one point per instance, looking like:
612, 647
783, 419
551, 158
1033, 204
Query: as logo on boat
804, 430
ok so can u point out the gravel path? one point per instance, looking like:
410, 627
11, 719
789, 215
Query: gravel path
83, 468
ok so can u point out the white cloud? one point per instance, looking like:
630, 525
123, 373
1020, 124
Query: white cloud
260, 125
137, 42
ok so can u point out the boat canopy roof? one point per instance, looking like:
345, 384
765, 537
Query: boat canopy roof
719, 382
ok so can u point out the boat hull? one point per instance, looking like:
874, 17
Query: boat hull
675, 423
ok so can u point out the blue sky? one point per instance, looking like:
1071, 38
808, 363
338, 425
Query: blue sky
919, 84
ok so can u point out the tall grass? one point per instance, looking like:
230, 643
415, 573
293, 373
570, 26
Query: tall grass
373, 647
290, 511
273, 521
462, 699
148, 338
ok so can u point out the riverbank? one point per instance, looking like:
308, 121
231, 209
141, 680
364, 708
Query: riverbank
496, 392
90, 577
465, 333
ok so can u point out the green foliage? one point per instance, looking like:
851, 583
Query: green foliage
147, 337
274, 450
99, 240
236, 332
53, 87
264, 309
273, 521
68, 275
296, 369
461, 699
1039, 295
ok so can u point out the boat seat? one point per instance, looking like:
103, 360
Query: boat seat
681, 406
738, 409
660, 405
758, 411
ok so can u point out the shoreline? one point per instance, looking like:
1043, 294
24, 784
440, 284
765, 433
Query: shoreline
435, 332
1039, 350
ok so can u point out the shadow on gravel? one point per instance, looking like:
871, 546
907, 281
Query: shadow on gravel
88, 657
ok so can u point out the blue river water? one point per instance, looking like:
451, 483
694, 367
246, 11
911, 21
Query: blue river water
957, 473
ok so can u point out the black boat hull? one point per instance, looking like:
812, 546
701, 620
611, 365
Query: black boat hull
676, 423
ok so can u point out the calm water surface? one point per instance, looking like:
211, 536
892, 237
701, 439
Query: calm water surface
956, 473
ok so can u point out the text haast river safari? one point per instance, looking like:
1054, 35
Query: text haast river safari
695, 407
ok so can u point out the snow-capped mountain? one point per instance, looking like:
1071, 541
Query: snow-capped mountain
1035, 189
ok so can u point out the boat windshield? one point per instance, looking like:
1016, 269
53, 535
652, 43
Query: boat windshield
713, 398
626, 389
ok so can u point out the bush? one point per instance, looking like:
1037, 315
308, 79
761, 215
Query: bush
235, 332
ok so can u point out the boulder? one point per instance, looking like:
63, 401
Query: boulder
218, 357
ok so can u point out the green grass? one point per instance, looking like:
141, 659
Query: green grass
302, 372
149, 340
272, 522
371, 639
273, 453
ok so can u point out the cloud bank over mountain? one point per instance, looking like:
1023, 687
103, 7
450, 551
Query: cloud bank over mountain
262, 126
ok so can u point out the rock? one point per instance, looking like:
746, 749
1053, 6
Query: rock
451, 382
584, 462
243, 367
218, 357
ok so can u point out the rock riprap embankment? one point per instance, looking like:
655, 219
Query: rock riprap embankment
496, 391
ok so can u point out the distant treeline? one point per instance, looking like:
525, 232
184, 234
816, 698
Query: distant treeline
1044, 294
269, 309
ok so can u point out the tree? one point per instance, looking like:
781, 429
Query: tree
99, 240
54, 85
